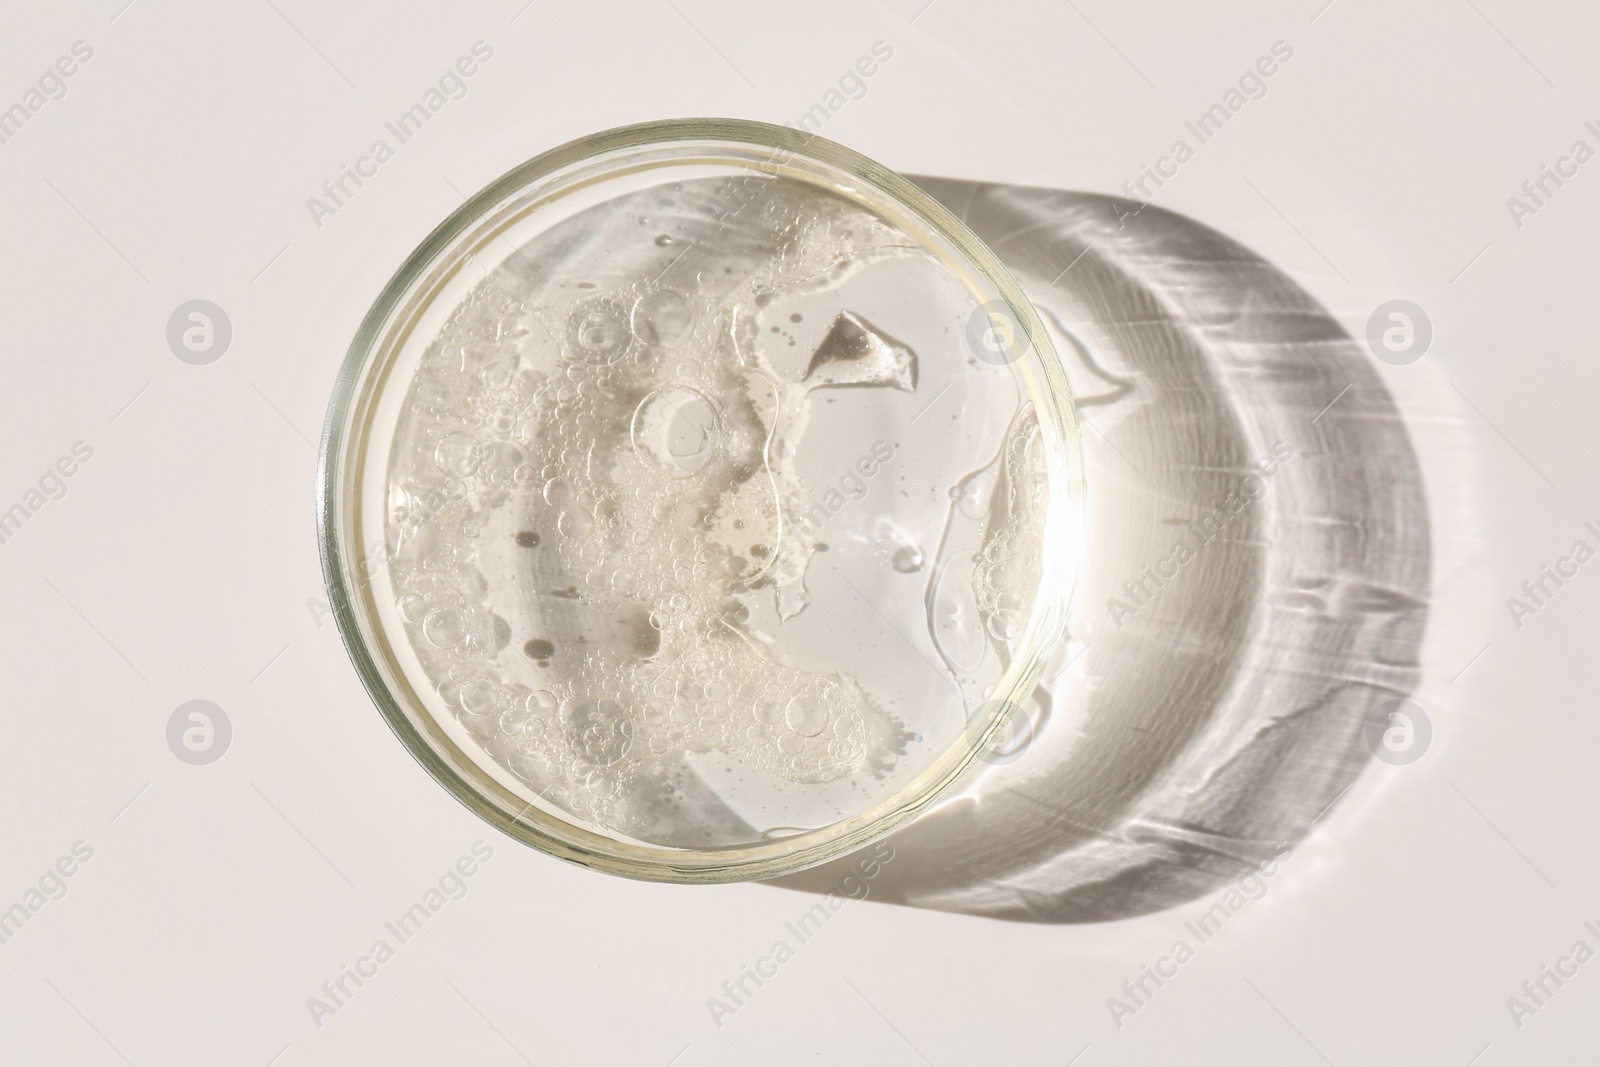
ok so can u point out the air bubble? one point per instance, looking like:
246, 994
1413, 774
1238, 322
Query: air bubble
520, 721
598, 332
411, 607
457, 454
1005, 625
502, 418
807, 714
478, 698
675, 431
907, 559
558, 492
575, 523
444, 627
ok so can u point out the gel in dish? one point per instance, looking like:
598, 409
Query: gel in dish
702, 517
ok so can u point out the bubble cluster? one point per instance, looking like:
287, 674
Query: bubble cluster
1010, 559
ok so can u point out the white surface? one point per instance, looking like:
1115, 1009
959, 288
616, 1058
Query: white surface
181, 561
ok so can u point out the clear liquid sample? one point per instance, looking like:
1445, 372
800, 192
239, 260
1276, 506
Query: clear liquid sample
703, 520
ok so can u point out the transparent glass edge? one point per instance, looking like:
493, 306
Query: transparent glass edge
764, 860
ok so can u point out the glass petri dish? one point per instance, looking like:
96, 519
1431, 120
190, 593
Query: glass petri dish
699, 501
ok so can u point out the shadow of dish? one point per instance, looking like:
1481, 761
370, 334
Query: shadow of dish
1211, 702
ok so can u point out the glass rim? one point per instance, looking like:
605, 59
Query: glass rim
493, 802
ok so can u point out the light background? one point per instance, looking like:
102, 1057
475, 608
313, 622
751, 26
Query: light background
182, 564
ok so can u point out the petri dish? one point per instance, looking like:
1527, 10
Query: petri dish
699, 501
